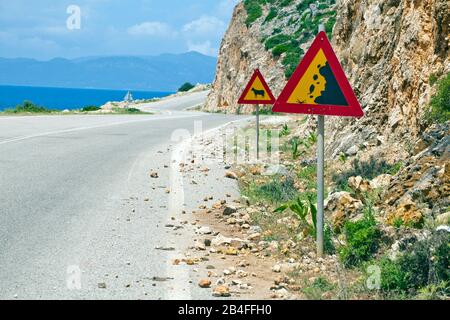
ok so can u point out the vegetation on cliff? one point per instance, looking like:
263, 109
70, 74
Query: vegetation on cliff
304, 19
439, 110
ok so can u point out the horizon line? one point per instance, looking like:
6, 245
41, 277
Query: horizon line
107, 56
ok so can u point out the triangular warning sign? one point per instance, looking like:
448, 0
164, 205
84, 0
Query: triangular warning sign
319, 85
257, 91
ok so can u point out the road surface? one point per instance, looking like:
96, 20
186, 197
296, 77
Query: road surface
78, 210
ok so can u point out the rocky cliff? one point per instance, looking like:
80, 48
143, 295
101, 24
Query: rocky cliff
394, 52
391, 51
269, 35
240, 53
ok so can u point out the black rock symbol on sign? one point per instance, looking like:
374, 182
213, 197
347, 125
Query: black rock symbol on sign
257, 93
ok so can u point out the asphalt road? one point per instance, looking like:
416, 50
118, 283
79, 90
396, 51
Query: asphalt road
78, 210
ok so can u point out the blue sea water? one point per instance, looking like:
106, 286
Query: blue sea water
64, 98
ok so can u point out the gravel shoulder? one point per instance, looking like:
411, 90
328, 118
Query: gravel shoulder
221, 256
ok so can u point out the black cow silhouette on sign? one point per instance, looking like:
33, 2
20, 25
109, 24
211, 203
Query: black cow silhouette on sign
257, 93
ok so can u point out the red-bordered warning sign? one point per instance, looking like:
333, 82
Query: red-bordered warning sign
257, 91
319, 85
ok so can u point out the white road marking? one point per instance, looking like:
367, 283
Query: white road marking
38, 135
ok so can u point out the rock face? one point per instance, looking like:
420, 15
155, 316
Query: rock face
392, 51
240, 53
341, 206
420, 191
389, 49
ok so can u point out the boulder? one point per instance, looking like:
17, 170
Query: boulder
220, 241
443, 218
221, 291
352, 151
342, 207
359, 185
276, 170
204, 283
406, 212
381, 182
204, 230
229, 210
231, 175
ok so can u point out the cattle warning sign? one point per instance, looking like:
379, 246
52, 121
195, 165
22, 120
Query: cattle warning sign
257, 91
319, 85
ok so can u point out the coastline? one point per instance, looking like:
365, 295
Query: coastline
110, 107
68, 98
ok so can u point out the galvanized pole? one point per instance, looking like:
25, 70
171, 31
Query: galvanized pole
320, 177
257, 131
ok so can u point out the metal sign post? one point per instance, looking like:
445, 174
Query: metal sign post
320, 182
304, 94
257, 131
320, 176
257, 92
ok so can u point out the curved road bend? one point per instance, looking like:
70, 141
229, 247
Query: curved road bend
72, 202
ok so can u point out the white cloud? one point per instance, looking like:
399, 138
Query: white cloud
204, 26
203, 47
152, 28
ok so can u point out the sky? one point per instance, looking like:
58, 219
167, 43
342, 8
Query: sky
46, 29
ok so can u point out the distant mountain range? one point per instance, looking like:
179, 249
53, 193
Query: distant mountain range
166, 72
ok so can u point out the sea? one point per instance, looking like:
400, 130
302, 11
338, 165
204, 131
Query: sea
67, 98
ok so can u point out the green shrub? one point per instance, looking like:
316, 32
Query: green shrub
186, 87
433, 79
276, 31
280, 49
328, 245
295, 144
90, 108
363, 239
285, 3
439, 291
395, 168
393, 280
28, 107
314, 290
439, 109
265, 110
271, 15
285, 130
367, 170
302, 6
291, 46
289, 71
276, 40
254, 10
329, 25
291, 61
276, 191
342, 157
132, 110
425, 264
302, 209
307, 175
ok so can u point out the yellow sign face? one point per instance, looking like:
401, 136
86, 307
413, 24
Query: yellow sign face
257, 91
319, 85
312, 84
